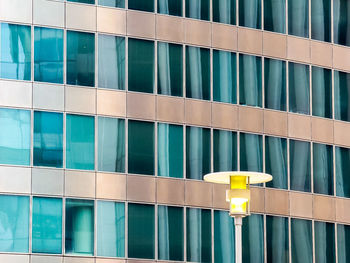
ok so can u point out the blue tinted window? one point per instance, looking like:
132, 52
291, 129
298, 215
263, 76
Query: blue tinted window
321, 20
342, 170
170, 7
300, 167
301, 238
224, 237
322, 92
299, 88
224, 11
323, 168
343, 236
83, 1
275, 15
250, 13
324, 242
341, 17
298, 18
341, 96
198, 9
112, 3
143, 5
225, 150
253, 239
251, 152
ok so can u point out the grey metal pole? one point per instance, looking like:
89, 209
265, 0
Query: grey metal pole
238, 233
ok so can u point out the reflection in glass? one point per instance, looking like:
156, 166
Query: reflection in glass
298, 18
277, 241
341, 96
250, 13
253, 239
323, 168
225, 151
321, 20
144, 5
112, 3
324, 242
275, 16
300, 171
342, 171
198, 9
299, 88
321, 92
170, 7
341, 20
224, 238
301, 234
343, 236
251, 152
224, 11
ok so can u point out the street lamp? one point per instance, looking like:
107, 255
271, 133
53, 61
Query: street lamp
238, 196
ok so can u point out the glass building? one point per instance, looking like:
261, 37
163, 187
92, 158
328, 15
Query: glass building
112, 111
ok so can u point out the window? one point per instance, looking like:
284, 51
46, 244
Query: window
170, 150
79, 227
299, 88
275, 16
111, 62
141, 64
110, 229
112, 3
170, 71
224, 238
324, 242
198, 235
343, 236
301, 236
225, 151
14, 221
197, 152
80, 58
253, 239
80, 142
250, 13
277, 241
300, 171
250, 91
83, 1
298, 18
224, 76
341, 17
144, 5
48, 55
170, 7
47, 225
323, 169
322, 92
141, 147
224, 11
198, 9
321, 20
15, 136
170, 233
141, 236
15, 52
341, 95
251, 152
197, 73
342, 171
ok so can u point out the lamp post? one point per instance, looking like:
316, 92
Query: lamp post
239, 197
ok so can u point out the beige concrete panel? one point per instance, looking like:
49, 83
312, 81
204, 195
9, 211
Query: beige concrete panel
275, 123
250, 40
170, 191
198, 193
300, 205
324, 208
80, 184
198, 112
257, 199
109, 260
322, 130
111, 186
48, 97
141, 106
341, 57
219, 196
15, 180
170, 109
224, 116
47, 181
16, 10
49, 13
224, 36
321, 53
299, 126
276, 201
15, 93
251, 119
111, 102
341, 133
81, 100
46, 259
141, 188
8, 258
274, 45
197, 32
111, 20
170, 28
81, 16
140, 24
342, 210
298, 49
78, 260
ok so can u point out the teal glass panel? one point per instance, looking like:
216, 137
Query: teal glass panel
300, 170
275, 84
322, 92
276, 162
15, 136
225, 151
141, 65
251, 152
323, 169
250, 84
277, 241
112, 3
83, 1
170, 7
80, 58
341, 20
321, 20
197, 152
110, 229
48, 55
224, 237
111, 145
15, 52
198, 235
111, 62
342, 171
341, 96
198, 9
250, 13
224, 11
170, 233
47, 225
170, 73
170, 150
48, 139
141, 236
80, 142
298, 18
275, 16
299, 88
343, 236
143, 5
197, 73
324, 242
79, 227
224, 76
253, 239
141, 147
301, 236
14, 221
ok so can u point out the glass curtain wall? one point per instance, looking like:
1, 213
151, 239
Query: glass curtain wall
341, 20
253, 239
224, 238
299, 88
323, 169
250, 13
322, 92
225, 151
321, 20
224, 11
277, 241
341, 95
301, 237
298, 18
251, 152
198, 9
170, 7
300, 170
275, 16
324, 242
342, 170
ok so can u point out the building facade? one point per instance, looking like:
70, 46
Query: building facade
112, 111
